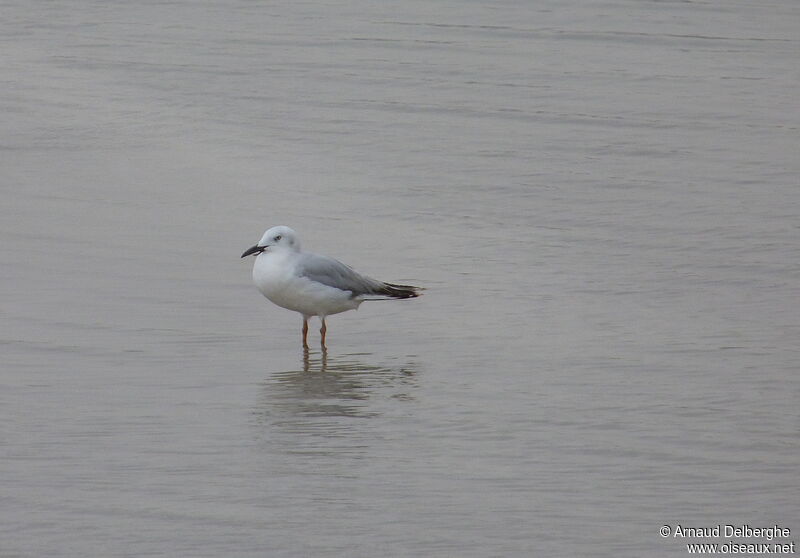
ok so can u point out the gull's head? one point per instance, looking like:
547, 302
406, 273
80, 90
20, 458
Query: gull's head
276, 238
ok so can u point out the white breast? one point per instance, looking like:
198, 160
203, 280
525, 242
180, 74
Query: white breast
273, 274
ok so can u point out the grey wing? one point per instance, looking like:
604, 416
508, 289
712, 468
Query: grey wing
334, 273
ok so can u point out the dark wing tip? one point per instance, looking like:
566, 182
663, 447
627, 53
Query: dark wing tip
401, 291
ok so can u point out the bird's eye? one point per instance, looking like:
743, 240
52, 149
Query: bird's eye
277, 238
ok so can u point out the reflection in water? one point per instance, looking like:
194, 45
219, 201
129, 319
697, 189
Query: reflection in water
310, 422
328, 389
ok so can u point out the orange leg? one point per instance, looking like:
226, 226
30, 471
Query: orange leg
305, 332
322, 331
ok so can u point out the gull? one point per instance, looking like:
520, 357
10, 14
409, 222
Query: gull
312, 284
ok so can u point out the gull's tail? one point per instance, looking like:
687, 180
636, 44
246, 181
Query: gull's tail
398, 291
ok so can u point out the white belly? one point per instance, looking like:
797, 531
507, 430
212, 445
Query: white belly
273, 276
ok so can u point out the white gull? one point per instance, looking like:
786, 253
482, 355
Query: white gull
311, 284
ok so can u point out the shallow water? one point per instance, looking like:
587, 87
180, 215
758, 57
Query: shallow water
601, 200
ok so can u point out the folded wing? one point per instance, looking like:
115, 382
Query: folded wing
334, 273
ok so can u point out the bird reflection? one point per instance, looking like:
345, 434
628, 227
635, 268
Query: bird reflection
323, 360
329, 388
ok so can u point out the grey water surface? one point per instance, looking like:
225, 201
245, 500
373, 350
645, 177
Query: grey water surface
601, 199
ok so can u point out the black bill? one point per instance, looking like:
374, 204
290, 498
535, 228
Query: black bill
253, 250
